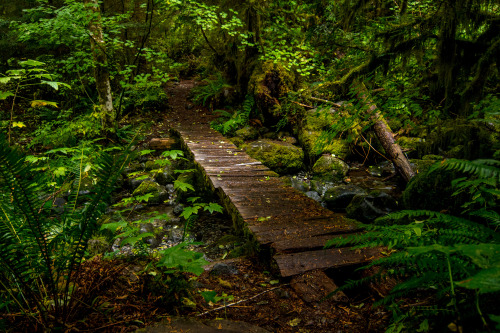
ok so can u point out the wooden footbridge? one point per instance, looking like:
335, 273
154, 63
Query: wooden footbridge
291, 225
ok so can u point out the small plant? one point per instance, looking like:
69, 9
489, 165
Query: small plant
456, 258
228, 122
212, 92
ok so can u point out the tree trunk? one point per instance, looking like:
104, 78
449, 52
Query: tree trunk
386, 137
101, 73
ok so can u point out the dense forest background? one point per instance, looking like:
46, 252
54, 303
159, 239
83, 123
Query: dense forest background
78, 76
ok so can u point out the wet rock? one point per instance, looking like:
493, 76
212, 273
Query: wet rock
314, 145
313, 195
178, 209
247, 133
58, 205
299, 184
328, 167
221, 269
135, 183
367, 207
339, 197
281, 157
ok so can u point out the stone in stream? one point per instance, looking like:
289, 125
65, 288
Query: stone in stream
330, 168
367, 207
313, 195
339, 197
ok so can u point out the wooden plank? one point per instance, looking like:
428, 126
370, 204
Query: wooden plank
314, 286
298, 263
304, 243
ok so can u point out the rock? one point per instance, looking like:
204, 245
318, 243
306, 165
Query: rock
224, 269
329, 167
367, 207
98, 245
247, 133
299, 184
314, 145
58, 205
281, 157
339, 197
178, 209
134, 183
159, 193
313, 195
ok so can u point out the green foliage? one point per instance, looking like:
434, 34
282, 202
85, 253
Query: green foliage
457, 258
228, 122
212, 92
41, 252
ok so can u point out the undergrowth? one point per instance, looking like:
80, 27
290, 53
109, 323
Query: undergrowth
453, 259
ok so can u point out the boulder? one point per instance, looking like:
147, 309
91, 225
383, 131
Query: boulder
159, 193
247, 133
315, 144
339, 197
329, 167
367, 207
281, 157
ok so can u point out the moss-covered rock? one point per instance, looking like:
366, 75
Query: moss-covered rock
237, 141
368, 207
247, 133
147, 186
329, 167
339, 197
280, 157
315, 144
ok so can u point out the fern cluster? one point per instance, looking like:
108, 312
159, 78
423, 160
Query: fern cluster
454, 258
210, 93
41, 252
228, 122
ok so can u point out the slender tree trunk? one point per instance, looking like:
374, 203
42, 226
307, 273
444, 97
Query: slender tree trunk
386, 137
101, 73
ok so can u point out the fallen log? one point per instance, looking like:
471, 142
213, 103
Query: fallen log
386, 137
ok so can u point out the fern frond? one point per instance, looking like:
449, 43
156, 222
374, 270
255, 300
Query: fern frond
484, 168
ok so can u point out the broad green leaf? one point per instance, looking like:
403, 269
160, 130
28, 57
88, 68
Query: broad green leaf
31, 63
55, 84
483, 255
60, 171
38, 103
114, 226
146, 151
5, 79
135, 239
192, 199
183, 260
209, 296
213, 207
5, 94
173, 154
178, 185
486, 281
18, 124
188, 211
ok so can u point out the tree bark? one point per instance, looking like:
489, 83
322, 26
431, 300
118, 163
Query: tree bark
386, 137
101, 73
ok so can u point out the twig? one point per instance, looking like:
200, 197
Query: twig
241, 301
303, 105
374, 148
325, 101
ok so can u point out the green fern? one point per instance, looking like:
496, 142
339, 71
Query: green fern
455, 257
40, 252
210, 93
228, 122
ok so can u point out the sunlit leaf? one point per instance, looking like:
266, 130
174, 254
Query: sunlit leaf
31, 63
18, 124
38, 103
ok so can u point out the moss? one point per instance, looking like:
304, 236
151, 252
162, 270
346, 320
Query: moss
280, 157
147, 186
330, 168
408, 142
237, 141
315, 144
247, 133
